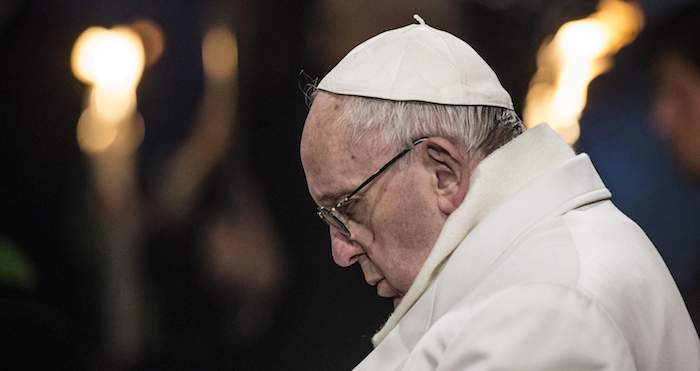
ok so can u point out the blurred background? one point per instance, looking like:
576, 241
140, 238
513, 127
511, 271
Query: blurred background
153, 209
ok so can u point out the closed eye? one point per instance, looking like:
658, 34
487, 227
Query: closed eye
348, 206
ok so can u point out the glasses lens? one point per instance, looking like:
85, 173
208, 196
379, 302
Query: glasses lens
327, 216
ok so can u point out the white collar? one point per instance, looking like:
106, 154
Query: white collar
494, 181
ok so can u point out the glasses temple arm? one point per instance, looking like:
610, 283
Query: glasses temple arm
381, 170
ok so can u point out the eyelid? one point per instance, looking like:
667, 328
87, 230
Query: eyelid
349, 202
331, 200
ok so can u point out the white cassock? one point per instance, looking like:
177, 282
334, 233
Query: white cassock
538, 270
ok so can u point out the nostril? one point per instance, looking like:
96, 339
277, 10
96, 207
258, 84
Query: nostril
344, 253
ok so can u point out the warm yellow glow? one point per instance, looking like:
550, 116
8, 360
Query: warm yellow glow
93, 135
112, 62
112, 106
113, 59
219, 53
153, 39
130, 136
585, 39
580, 51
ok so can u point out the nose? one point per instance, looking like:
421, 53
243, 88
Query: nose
345, 251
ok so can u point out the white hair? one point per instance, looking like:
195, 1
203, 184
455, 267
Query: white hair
478, 130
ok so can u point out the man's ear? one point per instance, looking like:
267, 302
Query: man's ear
450, 170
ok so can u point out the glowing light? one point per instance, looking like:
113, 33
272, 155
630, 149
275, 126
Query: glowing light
112, 106
93, 135
113, 58
112, 62
153, 40
580, 51
130, 136
219, 53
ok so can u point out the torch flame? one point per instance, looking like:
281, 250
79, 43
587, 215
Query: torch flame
580, 51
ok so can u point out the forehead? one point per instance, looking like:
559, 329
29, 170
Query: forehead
333, 167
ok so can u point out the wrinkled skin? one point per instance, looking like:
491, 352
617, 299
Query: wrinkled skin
396, 221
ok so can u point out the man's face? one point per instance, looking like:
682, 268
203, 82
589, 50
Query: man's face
394, 222
677, 110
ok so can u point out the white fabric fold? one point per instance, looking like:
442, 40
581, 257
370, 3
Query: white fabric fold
497, 178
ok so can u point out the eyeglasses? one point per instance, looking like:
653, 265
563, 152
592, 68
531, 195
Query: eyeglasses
331, 216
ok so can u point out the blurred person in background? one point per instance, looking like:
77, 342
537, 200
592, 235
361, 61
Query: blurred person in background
677, 100
499, 247
676, 105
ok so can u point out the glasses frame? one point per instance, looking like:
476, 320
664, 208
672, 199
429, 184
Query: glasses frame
330, 215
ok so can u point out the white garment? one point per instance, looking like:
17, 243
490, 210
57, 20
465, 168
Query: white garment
537, 270
417, 63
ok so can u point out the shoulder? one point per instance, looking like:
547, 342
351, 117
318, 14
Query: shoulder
530, 303
604, 217
589, 249
533, 326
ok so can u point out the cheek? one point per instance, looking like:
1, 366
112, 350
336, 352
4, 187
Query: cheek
405, 233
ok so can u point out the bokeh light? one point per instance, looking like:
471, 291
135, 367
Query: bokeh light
219, 53
580, 51
111, 58
93, 135
112, 62
153, 39
112, 106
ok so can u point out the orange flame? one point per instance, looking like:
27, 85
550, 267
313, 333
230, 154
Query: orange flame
580, 51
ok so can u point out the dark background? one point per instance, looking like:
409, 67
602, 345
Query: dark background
323, 316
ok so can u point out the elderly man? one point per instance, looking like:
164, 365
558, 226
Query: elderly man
499, 247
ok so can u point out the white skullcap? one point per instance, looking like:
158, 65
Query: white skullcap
417, 63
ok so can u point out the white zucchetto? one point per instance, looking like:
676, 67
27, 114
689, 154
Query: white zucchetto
417, 63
